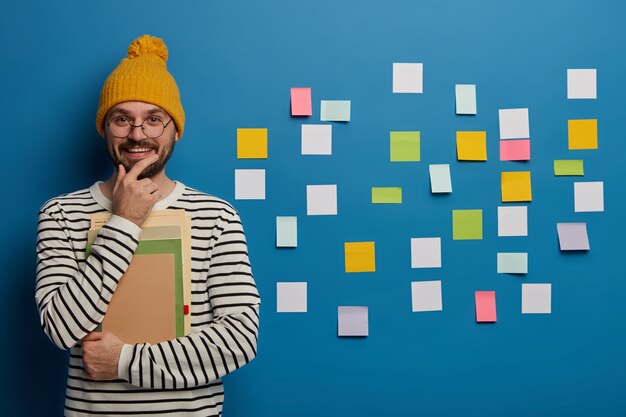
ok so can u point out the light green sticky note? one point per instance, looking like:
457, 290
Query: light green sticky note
387, 195
335, 111
512, 263
568, 167
440, 178
467, 224
466, 99
405, 146
286, 231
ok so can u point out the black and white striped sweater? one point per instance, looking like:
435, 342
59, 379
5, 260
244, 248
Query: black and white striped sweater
177, 377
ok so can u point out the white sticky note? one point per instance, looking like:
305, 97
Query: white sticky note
514, 124
426, 252
317, 139
512, 221
573, 236
440, 181
353, 321
588, 196
335, 111
536, 298
291, 297
286, 231
581, 84
513, 263
249, 184
426, 296
408, 77
465, 98
321, 200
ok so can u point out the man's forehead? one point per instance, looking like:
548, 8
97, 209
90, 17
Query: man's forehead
136, 107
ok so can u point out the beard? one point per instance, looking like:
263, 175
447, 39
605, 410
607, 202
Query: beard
115, 153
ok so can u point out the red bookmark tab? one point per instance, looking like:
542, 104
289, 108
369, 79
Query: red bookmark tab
186, 309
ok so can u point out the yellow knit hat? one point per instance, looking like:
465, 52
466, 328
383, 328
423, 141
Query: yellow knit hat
142, 76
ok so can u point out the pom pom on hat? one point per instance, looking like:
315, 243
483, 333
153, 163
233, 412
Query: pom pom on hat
142, 76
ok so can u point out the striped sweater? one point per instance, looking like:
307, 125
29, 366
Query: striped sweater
178, 377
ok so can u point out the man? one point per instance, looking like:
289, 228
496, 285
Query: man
141, 118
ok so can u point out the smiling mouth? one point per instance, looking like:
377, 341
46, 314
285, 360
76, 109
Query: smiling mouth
137, 151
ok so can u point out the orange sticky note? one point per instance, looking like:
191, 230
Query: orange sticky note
252, 143
516, 186
515, 150
360, 256
485, 306
582, 134
301, 102
471, 146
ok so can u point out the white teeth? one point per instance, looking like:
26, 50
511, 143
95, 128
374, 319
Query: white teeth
138, 150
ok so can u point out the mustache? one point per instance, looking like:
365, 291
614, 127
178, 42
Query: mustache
141, 144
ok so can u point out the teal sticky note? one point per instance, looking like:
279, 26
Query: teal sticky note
466, 99
512, 263
335, 111
286, 231
440, 181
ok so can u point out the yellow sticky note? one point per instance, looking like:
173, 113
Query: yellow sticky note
471, 146
582, 134
516, 186
252, 143
360, 257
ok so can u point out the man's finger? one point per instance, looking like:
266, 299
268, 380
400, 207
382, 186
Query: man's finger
121, 173
92, 336
140, 166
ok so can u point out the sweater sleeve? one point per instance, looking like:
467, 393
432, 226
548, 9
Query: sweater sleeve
72, 298
225, 344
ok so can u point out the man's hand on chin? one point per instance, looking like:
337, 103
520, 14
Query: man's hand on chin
101, 353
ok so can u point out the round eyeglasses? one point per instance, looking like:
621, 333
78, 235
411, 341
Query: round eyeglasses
120, 127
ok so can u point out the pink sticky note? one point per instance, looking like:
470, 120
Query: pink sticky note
515, 150
485, 306
301, 102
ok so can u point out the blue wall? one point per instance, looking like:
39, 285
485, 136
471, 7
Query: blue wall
235, 63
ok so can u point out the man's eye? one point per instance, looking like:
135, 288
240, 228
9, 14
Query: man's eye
120, 120
154, 120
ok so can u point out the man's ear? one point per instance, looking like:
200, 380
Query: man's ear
176, 136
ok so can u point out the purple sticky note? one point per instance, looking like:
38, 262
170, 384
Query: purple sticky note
353, 321
573, 236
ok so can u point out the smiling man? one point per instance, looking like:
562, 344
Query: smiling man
141, 118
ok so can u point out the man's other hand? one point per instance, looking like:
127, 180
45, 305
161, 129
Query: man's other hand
101, 353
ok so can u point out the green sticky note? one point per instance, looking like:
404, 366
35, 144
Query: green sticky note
405, 146
568, 167
386, 195
467, 224
512, 263
335, 110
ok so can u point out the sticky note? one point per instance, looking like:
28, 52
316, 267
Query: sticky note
467, 224
286, 231
317, 139
568, 167
536, 298
404, 146
408, 77
516, 186
514, 124
471, 146
513, 221
512, 263
465, 98
352, 321
360, 256
582, 134
291, 297
588, 196
440, 181
252, 143
249, 184
335, 111
573, 236
321, 200
301, 102
581, 84
426, 296
386, 195
515, 150
426, 252
485, 306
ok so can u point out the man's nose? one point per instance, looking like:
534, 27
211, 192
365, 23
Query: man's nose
136, 132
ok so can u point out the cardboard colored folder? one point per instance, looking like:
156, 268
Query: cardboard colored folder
149, 302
